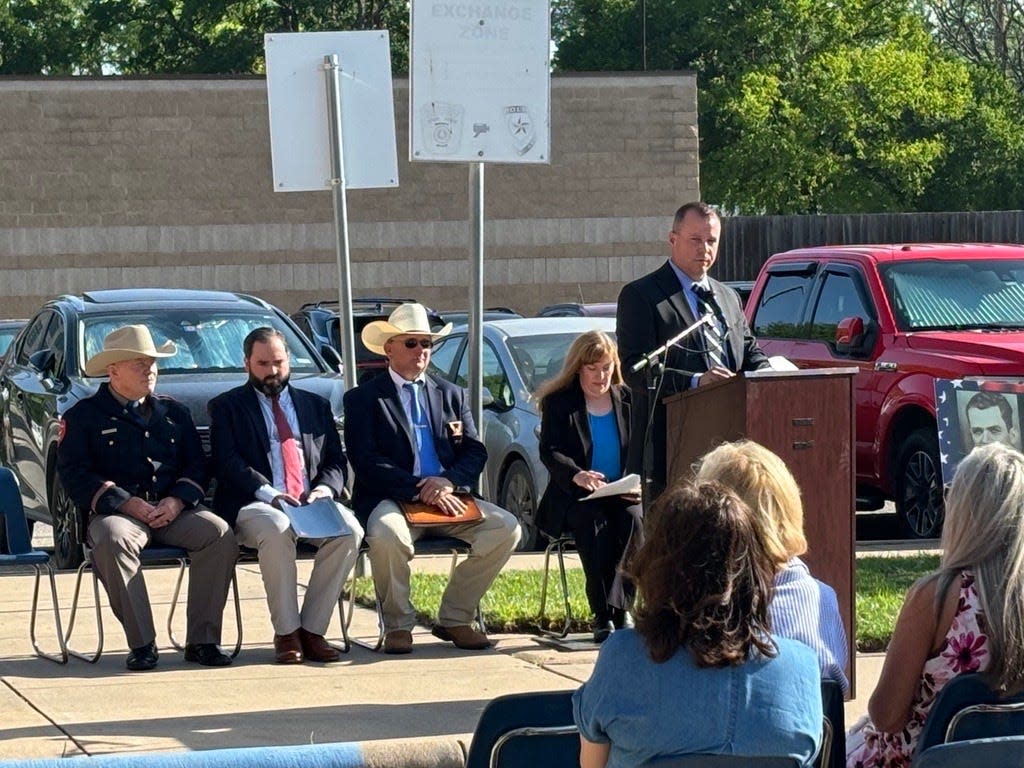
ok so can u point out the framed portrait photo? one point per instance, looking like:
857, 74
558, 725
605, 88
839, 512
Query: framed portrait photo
973, 412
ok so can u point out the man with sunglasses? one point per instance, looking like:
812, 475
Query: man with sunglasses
275, 446
410, 437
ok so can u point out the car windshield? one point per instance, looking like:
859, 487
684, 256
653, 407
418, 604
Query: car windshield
956, 295
207, 341
539, 358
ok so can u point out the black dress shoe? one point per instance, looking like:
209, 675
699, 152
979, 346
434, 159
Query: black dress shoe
142, 658
602, 629
207, 654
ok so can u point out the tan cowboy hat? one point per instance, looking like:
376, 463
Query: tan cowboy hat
126, 343
407, 318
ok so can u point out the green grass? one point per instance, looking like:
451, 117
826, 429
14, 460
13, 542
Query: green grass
513, 602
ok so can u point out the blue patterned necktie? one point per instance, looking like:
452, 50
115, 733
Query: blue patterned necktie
430, 464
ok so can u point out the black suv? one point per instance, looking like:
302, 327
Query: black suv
319, 321
43, 376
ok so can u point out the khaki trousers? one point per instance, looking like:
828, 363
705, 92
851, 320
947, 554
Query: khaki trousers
266, 529
391, 541
117, 540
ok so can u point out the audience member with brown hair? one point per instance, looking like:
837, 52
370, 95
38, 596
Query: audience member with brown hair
701, 673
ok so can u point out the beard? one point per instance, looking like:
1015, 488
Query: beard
271, 385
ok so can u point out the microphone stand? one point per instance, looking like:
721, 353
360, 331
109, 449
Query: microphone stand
653, 365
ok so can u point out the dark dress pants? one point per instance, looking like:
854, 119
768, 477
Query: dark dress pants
607, 532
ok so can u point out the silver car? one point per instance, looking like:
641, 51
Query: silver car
518, 355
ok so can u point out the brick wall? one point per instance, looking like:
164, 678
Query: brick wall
167, 182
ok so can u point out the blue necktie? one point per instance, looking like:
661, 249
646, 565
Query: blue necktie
430, 464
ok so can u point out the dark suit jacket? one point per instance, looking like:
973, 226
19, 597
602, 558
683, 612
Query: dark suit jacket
382, 448
652, 310
240, 447
566, 448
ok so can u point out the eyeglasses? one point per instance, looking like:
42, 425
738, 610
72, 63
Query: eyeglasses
412, 343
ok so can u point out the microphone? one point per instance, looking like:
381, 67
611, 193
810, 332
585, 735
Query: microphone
650, 357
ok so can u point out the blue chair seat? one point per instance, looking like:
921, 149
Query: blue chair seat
19, 545
25, 558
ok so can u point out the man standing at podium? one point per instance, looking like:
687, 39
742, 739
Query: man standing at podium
657, 307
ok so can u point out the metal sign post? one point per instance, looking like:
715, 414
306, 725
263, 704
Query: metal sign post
476, 291
332, 72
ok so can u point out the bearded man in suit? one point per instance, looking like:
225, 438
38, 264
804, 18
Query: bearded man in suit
273, 445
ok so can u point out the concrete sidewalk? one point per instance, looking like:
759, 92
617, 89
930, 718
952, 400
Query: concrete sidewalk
48, 710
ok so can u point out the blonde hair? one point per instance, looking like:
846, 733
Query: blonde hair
984, 533
766, 485
588, 348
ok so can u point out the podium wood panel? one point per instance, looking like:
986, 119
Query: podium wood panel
806, 417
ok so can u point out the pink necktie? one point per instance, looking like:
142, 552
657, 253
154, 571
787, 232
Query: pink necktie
294, 483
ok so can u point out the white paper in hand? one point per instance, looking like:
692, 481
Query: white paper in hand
319, 520
624, 486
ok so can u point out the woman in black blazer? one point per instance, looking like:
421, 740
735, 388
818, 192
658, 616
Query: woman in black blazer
584, 435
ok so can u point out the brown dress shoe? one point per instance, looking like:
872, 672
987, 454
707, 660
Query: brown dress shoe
463, 636
288, 648
398, 641
315, 648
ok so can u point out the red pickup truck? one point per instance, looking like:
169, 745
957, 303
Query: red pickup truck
903, 315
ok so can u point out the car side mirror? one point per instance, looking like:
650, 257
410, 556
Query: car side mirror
851, 336
42, 361
486, 398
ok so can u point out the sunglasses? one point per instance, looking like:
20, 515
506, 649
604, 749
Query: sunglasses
413, 343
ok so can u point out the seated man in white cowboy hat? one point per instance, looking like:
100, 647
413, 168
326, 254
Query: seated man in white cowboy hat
410, 437
134, 463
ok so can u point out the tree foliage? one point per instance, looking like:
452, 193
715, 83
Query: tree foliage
817, 105
989, 33
175, 36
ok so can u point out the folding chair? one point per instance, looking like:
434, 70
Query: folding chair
559, 545
968, 709
833, 744
305, 551
1004, 752
723, 761
20, 553
433, 545
149, 556
526, 730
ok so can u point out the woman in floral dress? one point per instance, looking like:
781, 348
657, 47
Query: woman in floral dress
966, 617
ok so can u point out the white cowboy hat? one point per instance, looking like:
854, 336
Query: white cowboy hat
126, 343
407, 318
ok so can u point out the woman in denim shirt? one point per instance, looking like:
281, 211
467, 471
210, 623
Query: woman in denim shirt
700, 674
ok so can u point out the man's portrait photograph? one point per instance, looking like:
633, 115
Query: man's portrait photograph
975, 412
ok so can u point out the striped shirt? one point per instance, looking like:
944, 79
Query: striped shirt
806, 609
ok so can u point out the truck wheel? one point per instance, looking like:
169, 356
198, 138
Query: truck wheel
67, 531
919, 501
519, 498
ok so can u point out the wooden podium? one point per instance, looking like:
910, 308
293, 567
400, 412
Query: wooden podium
806, 417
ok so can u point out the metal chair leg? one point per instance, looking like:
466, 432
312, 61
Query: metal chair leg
558, 545
74, 612
174, 604
61, 658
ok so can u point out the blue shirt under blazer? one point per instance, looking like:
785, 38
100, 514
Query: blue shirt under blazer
382, 447
240, 447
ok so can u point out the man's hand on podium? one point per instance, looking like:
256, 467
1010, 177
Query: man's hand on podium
718, 373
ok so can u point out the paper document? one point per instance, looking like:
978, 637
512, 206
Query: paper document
318, 520
624, 486
780, 363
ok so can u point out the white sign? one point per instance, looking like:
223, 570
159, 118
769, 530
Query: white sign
297, 96
480, 84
